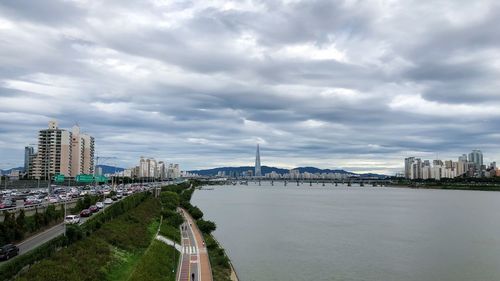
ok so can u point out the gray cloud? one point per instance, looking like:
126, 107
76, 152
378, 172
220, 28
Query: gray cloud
336, 84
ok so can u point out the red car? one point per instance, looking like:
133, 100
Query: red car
93, 209
85, 213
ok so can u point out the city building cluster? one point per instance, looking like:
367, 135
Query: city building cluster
295, 174
470, 165
149, 168
60, 151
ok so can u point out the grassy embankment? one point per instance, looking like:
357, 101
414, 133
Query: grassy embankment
121, 249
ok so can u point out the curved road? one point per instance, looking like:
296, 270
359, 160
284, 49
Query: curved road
195, 264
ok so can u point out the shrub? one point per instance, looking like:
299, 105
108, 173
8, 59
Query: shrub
172, 218
206, 226
169, 200
195, 212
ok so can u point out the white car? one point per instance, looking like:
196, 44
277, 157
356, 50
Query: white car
72, 219
108, 201
99, 205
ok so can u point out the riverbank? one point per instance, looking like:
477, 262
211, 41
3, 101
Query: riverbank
449, 187
221, 267
234, 275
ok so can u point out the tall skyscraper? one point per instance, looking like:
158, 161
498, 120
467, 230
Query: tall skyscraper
29, 151
258, 172
476, 156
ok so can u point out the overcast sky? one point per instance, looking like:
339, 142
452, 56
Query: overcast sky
350, 84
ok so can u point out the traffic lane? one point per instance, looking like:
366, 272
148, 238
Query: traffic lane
40, 238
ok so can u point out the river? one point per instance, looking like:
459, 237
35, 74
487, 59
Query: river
356, 233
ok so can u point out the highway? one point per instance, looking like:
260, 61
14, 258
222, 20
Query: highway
40, 238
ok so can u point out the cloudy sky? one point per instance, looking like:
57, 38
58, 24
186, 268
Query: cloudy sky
348, 84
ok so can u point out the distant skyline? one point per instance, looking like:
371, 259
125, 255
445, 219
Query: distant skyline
354, 85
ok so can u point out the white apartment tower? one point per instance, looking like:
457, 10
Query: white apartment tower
54, 153
82, 153
62, 152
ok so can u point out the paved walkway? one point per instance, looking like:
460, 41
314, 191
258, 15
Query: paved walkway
195, 264
169, 242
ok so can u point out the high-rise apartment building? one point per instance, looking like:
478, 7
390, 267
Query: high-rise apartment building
408, 163
82, 153
151, 168
29, 151
62, 152
54, 153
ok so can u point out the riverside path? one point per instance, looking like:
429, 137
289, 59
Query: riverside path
194, 264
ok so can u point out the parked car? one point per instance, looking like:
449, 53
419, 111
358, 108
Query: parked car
99, 205
7, 203
108, 201
8, 251
93, 209
114, 198
85, 213
72, 219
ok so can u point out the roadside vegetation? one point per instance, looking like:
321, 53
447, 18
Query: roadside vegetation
93, 255
115, 244
15, 229
171, 218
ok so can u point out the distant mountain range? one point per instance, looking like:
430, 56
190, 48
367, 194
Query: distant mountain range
267, 169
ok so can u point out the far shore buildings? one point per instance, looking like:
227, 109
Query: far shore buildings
149, 168
69, 153
467, 165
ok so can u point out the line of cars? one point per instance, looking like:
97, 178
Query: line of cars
10, 250
120, 193
11, 198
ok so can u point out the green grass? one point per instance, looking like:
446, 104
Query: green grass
122, 265
85, 260
157, 264
109, 253
171, 232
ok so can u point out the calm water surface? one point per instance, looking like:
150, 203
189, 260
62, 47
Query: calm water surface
355, 233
